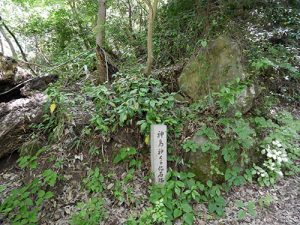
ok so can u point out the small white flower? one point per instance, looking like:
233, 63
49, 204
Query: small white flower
280, 173
277, 143
279, 160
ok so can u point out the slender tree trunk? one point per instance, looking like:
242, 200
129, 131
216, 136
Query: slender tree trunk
100, 29
100, 41
11, 46
130, 16
1, 44
151, 18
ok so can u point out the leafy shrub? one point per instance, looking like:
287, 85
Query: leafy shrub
265, 63
279, 149
131, 97
152, 215
245, 208
23, 205
174, 201
56, 113
94, 181
226, 97
91, 212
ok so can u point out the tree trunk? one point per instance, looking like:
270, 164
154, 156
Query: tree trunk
100, 29
12, 48
151, 18
1, 44
100, 41
130, 16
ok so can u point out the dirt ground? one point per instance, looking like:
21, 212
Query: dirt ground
284, 205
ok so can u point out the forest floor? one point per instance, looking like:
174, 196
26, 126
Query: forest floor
279, 204
284, 205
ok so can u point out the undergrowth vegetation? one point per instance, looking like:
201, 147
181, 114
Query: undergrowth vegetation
260, 146
257, 148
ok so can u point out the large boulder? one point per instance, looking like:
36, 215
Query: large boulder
213, 67
16, 117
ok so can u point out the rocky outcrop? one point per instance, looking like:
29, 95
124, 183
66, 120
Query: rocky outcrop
21, 104
213, 67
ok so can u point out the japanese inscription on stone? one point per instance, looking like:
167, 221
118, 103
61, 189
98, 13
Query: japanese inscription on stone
159, 152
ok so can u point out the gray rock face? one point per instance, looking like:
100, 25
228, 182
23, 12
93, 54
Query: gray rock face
215, 66
244, 101
15, 118
246, 97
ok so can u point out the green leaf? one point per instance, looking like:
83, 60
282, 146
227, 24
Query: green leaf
177, 213
50, 177
239, 204
180, 184
188, 218
251, 208
209, 183
48, 195
41, 193
203, 43
241, 214
28, 202
187, 208
2, 188
123, 118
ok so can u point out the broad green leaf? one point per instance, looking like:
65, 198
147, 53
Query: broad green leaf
187, 207
188, 218
177, 213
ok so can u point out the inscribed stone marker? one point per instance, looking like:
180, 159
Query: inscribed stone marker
159, 153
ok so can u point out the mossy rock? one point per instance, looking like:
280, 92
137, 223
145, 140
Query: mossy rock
201, 165
214, 67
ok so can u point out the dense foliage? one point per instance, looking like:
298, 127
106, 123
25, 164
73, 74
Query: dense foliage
261, 146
